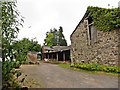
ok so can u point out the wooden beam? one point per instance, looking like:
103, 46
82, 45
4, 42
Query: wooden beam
48, 56
57, 56
88, 33
63, 56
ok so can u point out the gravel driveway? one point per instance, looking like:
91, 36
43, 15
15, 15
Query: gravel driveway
52, 76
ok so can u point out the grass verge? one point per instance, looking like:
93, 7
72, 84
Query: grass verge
68, 66
89, 68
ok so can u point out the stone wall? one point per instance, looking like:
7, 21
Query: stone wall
104, 51
32, 57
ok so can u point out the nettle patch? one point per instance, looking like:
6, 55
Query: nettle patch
105, 19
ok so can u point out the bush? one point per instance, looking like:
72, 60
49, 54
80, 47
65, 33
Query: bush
97, 67
8, 66
16, 64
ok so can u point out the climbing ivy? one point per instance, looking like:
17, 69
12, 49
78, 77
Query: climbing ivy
105, 19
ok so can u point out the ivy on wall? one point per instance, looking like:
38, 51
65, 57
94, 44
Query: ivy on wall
105, 19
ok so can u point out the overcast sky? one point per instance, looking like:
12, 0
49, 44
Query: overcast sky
42, 15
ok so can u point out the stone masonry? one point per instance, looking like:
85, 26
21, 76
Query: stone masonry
104, 51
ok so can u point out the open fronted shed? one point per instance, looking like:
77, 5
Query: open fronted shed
59, 53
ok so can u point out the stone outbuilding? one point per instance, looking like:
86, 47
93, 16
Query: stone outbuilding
58, 53
90, 45
32, 57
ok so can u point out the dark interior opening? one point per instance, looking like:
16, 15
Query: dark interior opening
90, 20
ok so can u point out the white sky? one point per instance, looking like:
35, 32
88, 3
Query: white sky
42, 15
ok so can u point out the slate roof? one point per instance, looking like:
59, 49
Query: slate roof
55, 48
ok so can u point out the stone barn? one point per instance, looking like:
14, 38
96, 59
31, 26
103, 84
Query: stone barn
89, 44
58, 53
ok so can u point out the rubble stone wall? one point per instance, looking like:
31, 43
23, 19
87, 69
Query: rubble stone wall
105, 51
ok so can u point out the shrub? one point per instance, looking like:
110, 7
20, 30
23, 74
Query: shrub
97, 67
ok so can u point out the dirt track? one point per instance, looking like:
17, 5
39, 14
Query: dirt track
52, 76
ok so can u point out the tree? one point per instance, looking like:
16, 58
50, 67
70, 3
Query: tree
62, 40
10, 19
55, 37
49, 41
22, 47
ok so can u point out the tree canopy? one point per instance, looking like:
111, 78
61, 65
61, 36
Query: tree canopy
22, 47
13, 52
55, 37
11, 20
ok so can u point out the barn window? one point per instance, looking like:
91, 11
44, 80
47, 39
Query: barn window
91, 31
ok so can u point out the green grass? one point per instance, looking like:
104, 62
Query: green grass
52, 62
67, 66
89, 68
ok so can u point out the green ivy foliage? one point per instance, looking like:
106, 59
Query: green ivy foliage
105, 19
